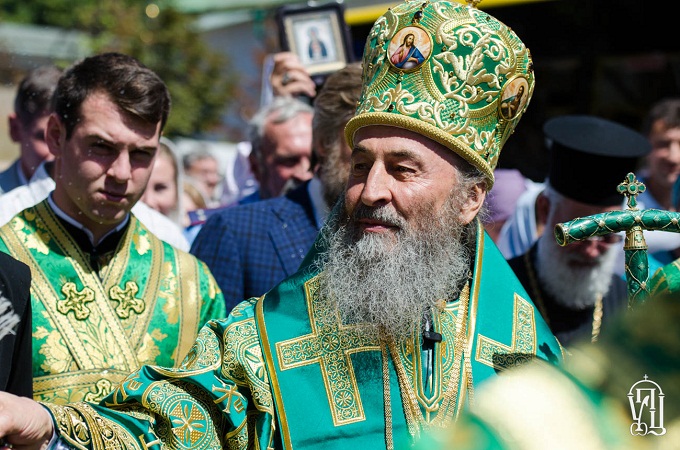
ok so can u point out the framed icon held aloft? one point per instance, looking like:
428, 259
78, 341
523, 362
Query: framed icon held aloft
318, 35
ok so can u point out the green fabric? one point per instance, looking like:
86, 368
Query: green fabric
666, 280
250, 380
90, 332
468, 89
348, 397
586, 401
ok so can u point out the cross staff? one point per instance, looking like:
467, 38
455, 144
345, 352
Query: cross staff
633, 221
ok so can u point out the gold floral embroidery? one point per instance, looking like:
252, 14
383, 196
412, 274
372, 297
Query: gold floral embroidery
149, 351
58, 358
142, 244
243, 362
169, 293
101, 389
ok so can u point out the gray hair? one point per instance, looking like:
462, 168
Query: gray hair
198, 153
280, 110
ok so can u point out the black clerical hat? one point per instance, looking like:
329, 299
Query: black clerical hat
590, 156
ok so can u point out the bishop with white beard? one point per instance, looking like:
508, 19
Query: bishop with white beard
576, 287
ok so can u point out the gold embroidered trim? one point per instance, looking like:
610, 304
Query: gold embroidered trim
137, 325
414, 417
330, 344
275, 386
82, 383
389, 433
523, 339
83, 428
452, 401
187, 270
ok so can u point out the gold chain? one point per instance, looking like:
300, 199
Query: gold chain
452, 403
538, 300
389, 439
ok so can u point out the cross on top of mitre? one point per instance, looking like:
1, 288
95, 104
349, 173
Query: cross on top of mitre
631, 188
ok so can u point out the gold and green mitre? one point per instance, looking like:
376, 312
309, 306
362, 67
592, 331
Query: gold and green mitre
464, 82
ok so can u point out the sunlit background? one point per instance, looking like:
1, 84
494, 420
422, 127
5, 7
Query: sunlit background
606, 57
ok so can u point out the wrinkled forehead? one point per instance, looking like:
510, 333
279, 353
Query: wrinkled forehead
404, 142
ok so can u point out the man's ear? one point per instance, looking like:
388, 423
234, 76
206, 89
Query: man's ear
474, 203
55, 135
15, 128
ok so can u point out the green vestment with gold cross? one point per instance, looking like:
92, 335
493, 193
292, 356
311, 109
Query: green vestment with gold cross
282, 372
146, 305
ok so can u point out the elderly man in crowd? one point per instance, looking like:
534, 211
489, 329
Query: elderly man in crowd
281, 147
576, 287
402, 307
249, 248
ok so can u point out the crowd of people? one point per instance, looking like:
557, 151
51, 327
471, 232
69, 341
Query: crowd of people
386, 285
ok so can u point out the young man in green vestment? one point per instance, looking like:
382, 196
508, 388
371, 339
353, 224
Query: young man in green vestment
402, 308
107, 295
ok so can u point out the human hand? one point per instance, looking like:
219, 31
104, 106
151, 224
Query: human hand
289, 77
24, 423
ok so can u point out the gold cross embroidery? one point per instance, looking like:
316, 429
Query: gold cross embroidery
75, 301
330, 344
189, 423
496, 354
126, 299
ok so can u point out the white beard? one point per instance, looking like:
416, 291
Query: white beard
391, 281
572, 286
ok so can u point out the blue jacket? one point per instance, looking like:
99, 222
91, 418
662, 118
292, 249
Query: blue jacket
250, 248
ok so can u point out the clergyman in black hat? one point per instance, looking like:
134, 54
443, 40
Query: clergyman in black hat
577, 288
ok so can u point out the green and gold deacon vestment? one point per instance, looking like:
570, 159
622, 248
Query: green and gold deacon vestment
90, 329
282, 372
666, 280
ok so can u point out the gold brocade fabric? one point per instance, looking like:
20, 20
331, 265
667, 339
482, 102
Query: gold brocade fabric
90, 332
282, 372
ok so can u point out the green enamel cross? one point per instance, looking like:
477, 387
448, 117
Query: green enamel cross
632, 221
631, 188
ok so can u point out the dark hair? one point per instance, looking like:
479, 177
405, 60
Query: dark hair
132, 86
666, 110
34, 95
335, 104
